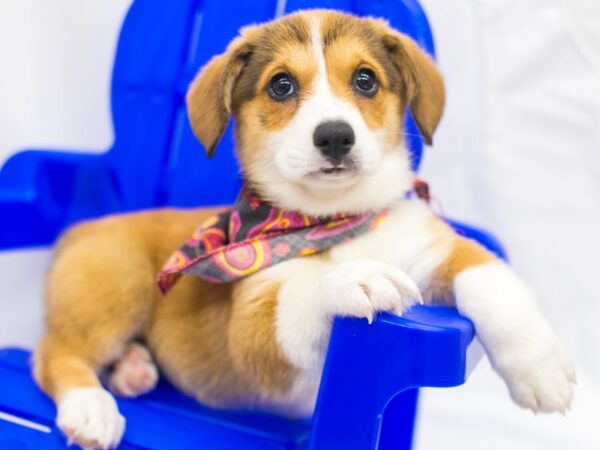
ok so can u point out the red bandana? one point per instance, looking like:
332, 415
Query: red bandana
253, 235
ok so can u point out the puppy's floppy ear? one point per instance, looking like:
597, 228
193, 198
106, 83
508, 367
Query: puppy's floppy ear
423, 82
209, 96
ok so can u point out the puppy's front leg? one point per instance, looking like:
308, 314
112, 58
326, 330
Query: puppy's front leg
357, 288
519, 342
282, 318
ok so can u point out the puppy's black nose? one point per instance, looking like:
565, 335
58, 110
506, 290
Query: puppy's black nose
334, 139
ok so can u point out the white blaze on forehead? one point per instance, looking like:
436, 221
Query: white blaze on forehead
317, 46
323, 105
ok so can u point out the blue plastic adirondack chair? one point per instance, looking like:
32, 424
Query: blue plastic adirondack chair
370, 383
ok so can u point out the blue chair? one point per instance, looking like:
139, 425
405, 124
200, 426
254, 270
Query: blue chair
369, 390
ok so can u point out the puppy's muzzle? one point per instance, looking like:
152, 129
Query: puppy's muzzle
334, 139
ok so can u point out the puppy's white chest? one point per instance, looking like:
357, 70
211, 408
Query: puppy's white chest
402, 239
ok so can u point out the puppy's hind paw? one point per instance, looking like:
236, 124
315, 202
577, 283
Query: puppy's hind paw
134, 374
89, 417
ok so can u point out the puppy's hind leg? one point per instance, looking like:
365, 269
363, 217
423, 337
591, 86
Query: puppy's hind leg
86, 413
97, 302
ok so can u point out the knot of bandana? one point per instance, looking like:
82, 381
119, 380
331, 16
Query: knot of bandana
253, 235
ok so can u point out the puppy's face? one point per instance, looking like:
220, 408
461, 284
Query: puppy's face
319, 100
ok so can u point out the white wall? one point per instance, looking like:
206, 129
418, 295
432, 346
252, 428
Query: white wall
518, 151
55, 67
55, 62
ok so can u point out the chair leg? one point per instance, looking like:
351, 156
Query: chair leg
372, 373
357, 384
346, 420
397, 429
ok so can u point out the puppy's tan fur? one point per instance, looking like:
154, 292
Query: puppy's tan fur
101, 294
223, 343
464, 254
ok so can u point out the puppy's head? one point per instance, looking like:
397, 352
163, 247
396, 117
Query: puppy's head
319, 99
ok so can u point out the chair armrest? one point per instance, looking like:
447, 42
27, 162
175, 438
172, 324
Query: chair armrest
19, 176
42, 191
485, 238
368, 365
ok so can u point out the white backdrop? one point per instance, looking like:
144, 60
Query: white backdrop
518, 152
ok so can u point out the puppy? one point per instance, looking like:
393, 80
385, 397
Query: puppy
319, 99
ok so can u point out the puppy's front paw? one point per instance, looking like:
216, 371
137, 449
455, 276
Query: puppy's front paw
518, 340
538, 372
90, 418
361, 288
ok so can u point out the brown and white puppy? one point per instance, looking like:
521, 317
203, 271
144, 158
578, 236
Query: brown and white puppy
292, 84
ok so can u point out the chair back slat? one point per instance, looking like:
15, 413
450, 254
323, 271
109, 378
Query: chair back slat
190, 179
152, 45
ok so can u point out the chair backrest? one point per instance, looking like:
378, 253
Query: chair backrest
155, 159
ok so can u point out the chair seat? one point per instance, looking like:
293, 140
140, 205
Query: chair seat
162, 419
167, 419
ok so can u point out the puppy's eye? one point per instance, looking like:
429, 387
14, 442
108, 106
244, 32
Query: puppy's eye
365, 82
281, 87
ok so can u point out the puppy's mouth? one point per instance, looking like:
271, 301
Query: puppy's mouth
335, 173
334, 170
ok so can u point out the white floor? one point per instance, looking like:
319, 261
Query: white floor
480, 416
518, 152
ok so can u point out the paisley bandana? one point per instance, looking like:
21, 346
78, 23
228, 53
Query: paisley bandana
253, 235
